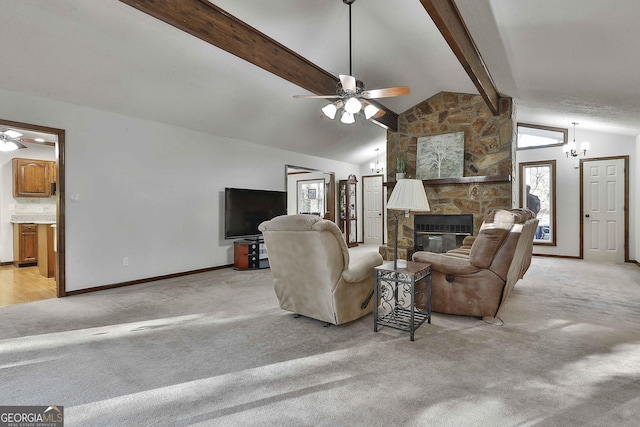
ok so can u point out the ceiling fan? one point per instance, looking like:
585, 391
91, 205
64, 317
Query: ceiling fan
351, 95
10, 140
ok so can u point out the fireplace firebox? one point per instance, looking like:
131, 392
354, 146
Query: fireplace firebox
441, 232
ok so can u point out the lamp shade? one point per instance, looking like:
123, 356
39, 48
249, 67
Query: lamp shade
353, 105
347, 118
330, 111
370, 111
409, 195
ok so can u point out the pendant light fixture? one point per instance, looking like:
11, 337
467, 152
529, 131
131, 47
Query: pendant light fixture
376, 167
570, 148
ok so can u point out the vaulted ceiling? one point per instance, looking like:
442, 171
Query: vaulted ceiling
561, 61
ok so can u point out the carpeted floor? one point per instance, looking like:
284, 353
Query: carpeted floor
215, 349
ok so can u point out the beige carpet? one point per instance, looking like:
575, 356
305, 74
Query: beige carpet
215, 349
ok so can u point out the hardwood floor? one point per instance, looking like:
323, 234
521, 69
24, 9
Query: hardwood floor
25, 284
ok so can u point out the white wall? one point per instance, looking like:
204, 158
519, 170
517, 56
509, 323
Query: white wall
21, 205
148, 191
568, 188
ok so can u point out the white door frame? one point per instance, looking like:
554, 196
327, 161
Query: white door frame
364, 204
626, 202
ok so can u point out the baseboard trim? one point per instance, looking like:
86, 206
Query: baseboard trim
558, 256
2, 264
632, 261
147, 280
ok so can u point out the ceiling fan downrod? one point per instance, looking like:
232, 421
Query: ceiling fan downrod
349, 2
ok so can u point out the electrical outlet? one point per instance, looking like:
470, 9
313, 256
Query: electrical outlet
125, 262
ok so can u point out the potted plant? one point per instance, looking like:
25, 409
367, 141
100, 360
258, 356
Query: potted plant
401, 163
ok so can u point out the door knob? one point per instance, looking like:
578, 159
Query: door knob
587, 215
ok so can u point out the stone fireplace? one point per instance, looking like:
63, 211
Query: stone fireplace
489, 159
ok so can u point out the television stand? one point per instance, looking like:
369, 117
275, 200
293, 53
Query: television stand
250, 254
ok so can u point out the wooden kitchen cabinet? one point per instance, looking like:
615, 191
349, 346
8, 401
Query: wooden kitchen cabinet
46, 254
33, 178
25, 244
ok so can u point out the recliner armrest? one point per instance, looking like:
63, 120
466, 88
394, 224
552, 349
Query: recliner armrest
446, 264
362, 268
468, 241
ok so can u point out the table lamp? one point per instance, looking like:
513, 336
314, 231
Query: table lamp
407, 195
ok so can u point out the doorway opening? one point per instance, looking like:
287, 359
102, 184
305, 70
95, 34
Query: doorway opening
35, 138
293, 175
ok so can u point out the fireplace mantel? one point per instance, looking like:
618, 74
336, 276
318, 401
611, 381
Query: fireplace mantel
462, 180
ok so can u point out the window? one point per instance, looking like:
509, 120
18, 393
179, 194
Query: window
538, 193
311, 197
535, 136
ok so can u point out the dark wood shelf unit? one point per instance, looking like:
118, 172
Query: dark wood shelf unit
247, 255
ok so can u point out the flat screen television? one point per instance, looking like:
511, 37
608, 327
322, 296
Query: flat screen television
245, 209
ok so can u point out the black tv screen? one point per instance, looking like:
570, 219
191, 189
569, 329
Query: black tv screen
245, 209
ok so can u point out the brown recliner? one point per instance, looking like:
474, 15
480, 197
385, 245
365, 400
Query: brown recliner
312, 273
476, 279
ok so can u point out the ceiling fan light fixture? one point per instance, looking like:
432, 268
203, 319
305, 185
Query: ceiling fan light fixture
352, 98
6, 146
347, 118
370, 111
353, 105
330, 111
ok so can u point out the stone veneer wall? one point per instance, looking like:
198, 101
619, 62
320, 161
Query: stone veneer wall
488, 151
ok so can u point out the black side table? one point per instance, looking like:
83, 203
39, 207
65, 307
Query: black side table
395, 291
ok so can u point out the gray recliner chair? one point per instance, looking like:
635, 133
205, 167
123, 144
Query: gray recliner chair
312, 275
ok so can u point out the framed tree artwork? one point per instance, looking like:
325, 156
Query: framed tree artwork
440, 156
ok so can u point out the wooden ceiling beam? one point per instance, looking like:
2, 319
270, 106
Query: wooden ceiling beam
446, 16
208, 22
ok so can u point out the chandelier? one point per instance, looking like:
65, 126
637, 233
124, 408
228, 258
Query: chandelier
570, 148
376, 167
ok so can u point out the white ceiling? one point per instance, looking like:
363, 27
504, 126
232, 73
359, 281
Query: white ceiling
561, 61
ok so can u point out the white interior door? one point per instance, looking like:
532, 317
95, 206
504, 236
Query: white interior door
603, 209
372, 199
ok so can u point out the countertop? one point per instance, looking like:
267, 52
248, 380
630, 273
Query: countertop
33, 219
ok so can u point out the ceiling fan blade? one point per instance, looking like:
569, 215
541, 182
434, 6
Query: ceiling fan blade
18, 143
348, 82
33, 141
12, 133
316, 96
386, 93
379, 114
